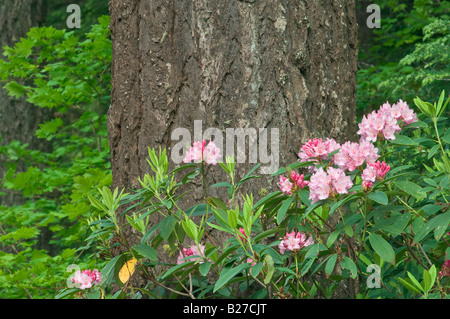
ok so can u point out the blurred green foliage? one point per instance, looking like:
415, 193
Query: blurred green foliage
70, 74
407, 56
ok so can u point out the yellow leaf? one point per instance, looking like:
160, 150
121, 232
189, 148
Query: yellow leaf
127, 270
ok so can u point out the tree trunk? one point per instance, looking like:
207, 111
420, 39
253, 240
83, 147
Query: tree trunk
186, 66
20, 119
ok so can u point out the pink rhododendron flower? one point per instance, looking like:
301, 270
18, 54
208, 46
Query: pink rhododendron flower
192, 251
87, 278
319, 185
285, 185
407, 115
381, 169
352, 155
369, 174
82, 279
201, 152
295, 182
294, 241
385, 122
325, 184
445, 270
374, 171
298, 180
340, 182
367, 186
316, 149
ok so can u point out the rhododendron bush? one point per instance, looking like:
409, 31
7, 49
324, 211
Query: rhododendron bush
379, 201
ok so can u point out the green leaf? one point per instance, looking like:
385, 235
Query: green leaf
414, 281
283, 209
256, 269
403, 140
204, 268
177, 268
166, 226
408, 285
333, 236
439, 223
441, 107
416, 124
329, 267
248, 175
410, 188
270, 268
428, 279
313, 250
395, 224
217, 202
265, 234
422, 106
190, 228
263, 201
342, 202
15, 89
349, 264
433, 151
228, 273
348, 230
108, 270
146, 251
379, 197
232, 219
382, 248
21, 233
48, 129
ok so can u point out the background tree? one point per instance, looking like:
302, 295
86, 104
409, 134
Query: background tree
407, 56
18, 117
234, 64
54, 147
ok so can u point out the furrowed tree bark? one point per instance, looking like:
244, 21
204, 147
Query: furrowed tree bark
284, 65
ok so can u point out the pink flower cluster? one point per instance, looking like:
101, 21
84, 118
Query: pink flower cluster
87, 278
352, 155
294, 241
324, 184
296, 181
385, 122
445, 270
373, 172
191, 251
316, 150
201, 152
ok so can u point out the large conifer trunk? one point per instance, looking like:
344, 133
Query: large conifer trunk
283, 65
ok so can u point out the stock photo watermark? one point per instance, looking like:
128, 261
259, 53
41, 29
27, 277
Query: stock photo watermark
374, 279
256, 139
74, 19
374, 19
